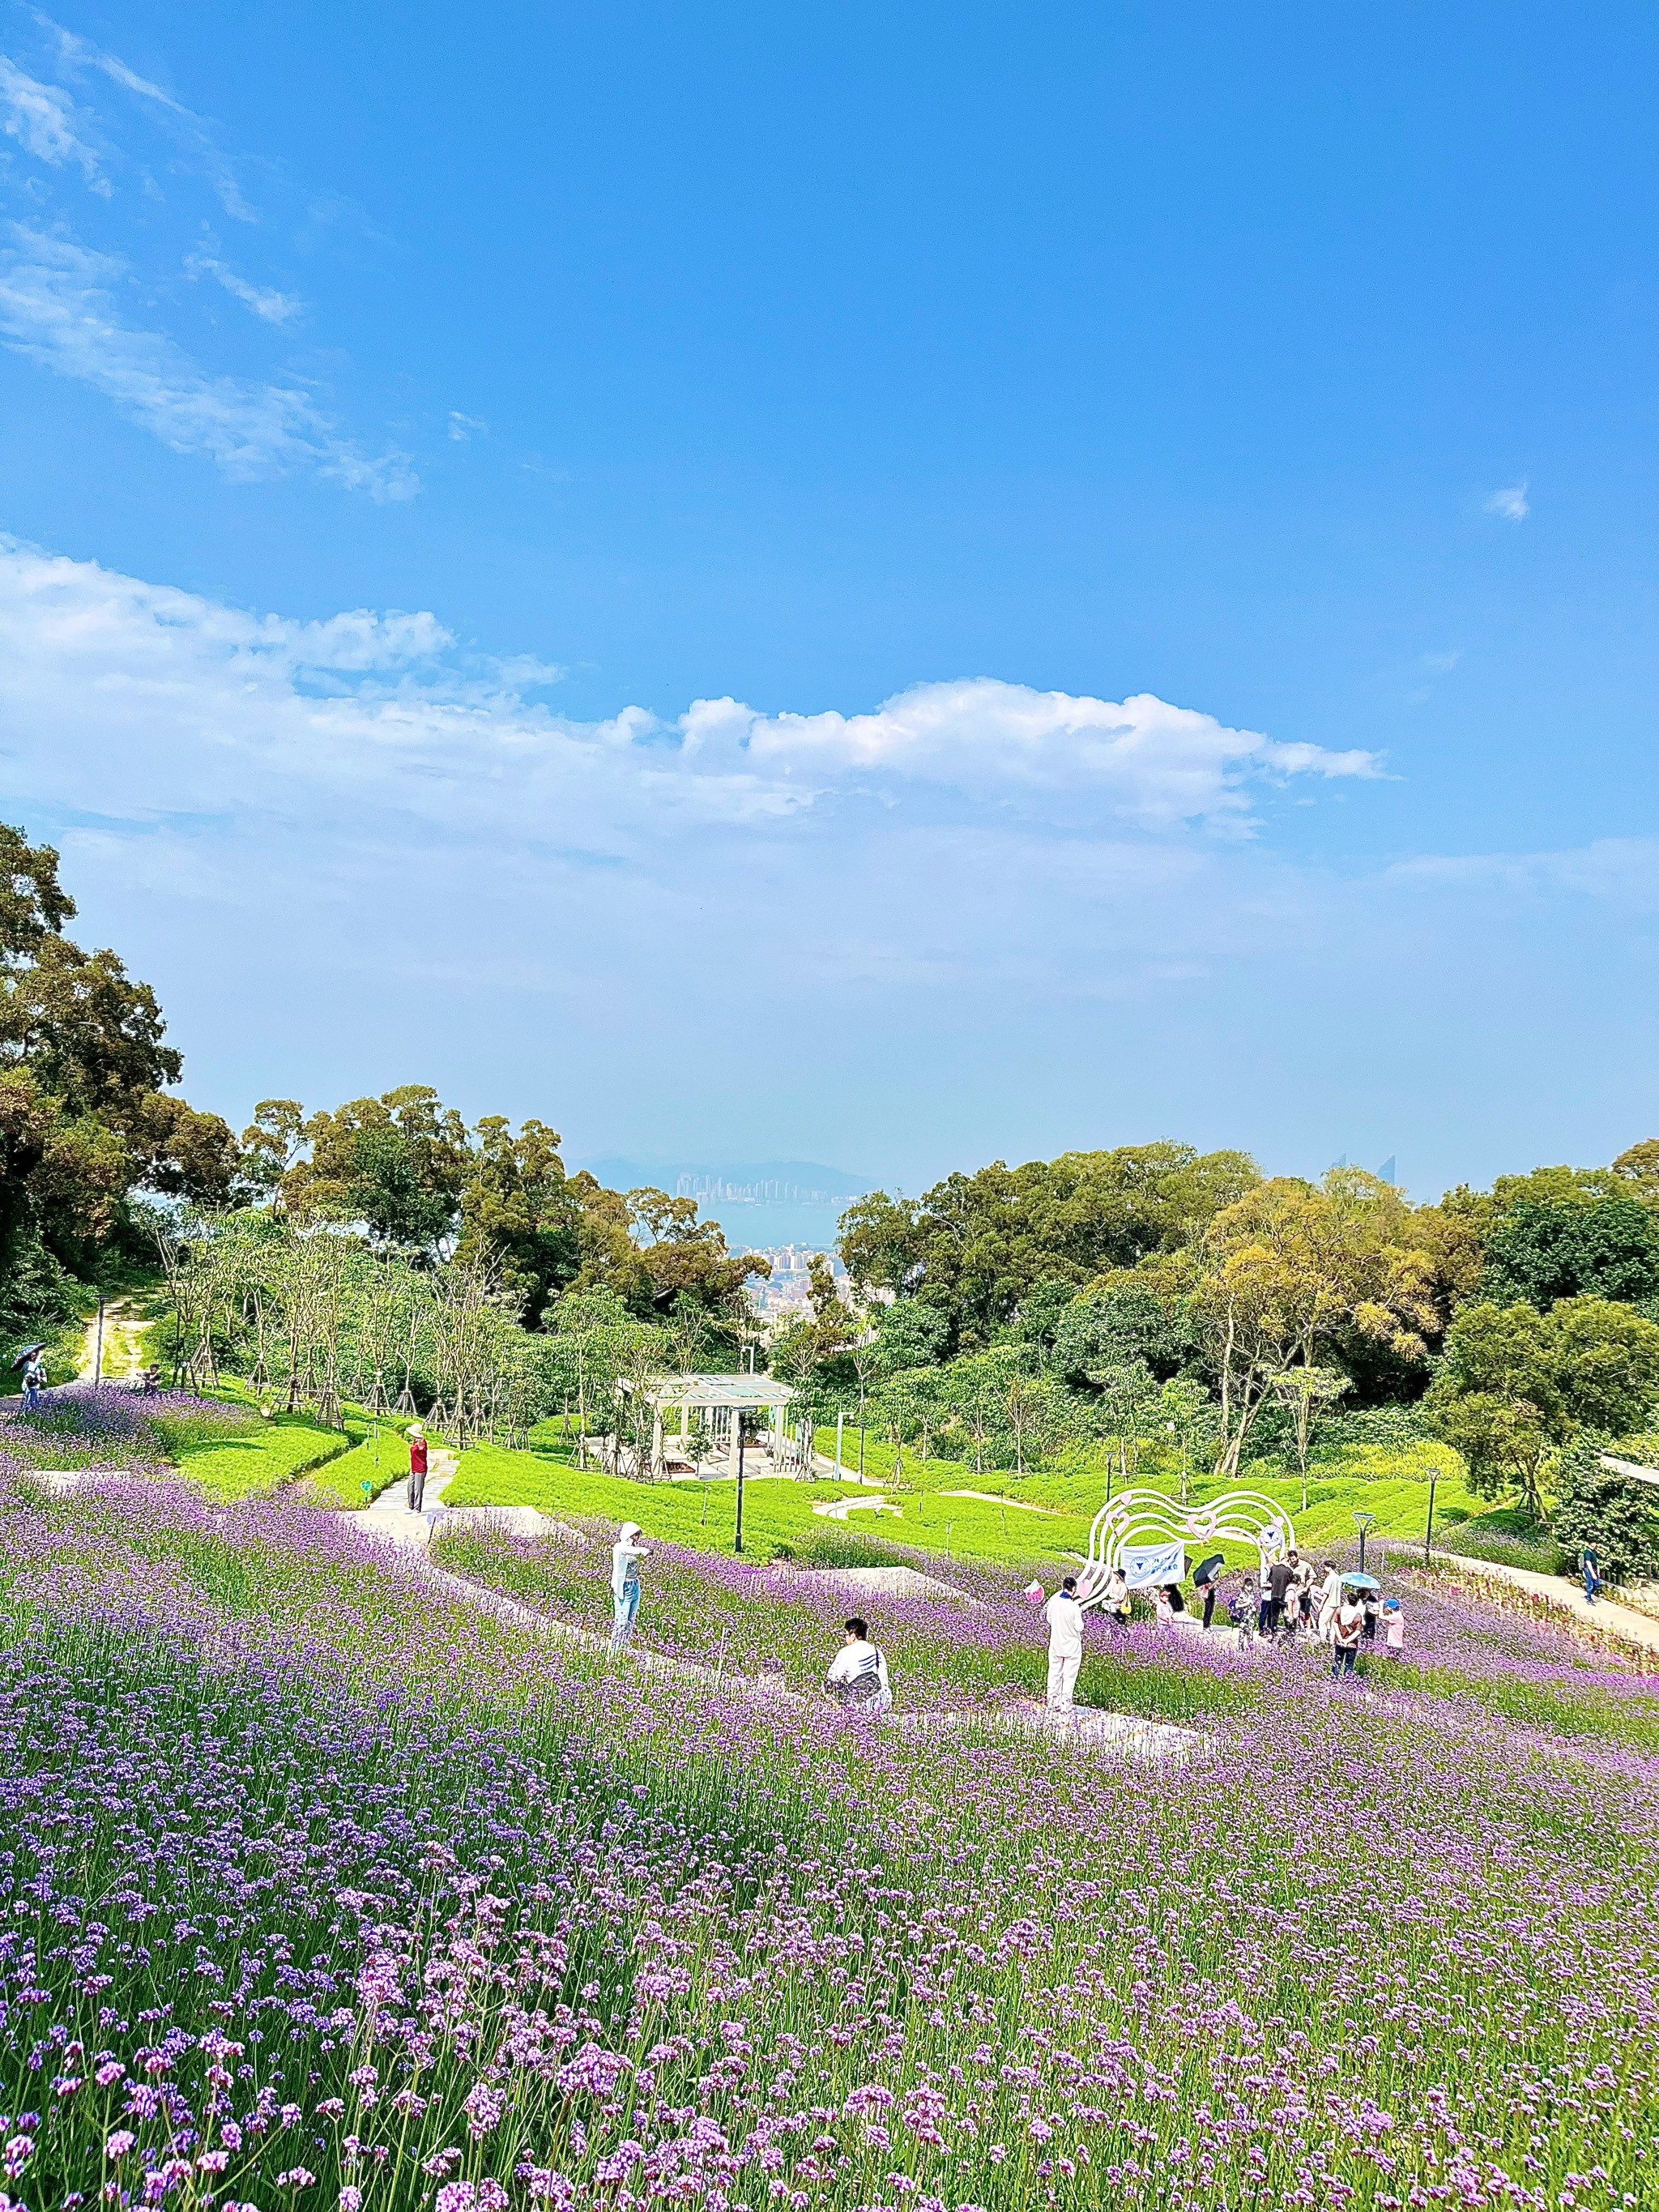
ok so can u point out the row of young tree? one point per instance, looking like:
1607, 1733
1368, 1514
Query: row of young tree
311, 1317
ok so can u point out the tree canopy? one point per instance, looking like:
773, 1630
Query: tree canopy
87, 1123
975, 1246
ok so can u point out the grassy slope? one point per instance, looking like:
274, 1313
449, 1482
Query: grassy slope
1393, 1487
261, 1459
336, 1462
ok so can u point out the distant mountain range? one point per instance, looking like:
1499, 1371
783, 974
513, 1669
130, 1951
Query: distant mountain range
758, 1203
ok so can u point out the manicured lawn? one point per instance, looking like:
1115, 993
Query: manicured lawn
260, 1458
1043, 1518
702, 1514
378, 1460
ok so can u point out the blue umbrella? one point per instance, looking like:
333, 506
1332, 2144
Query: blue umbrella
1361, 1581
28, 1354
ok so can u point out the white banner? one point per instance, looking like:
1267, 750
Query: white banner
1149, 1567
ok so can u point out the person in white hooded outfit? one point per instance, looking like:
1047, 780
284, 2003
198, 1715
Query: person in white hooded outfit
625, 1556
1065, 1618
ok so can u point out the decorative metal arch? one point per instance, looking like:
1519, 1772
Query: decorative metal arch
1138, 1516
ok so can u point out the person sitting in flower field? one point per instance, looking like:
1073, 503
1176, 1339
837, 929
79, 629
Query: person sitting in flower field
857, 1679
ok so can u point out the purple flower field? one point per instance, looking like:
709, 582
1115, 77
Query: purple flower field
319, 1890
110, 1427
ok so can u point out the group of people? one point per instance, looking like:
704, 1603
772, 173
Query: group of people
1292, 1599
1288, 1600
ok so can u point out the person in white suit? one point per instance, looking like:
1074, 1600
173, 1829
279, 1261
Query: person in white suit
1065, 1618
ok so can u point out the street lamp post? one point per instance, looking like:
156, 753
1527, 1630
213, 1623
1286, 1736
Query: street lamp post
742, 1439
1428, 1533
1364, 1522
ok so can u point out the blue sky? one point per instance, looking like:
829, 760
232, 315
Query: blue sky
888, 586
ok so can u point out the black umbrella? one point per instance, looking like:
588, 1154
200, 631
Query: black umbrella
1208, 1569
26, 1354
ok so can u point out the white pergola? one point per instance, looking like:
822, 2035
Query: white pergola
722, 1400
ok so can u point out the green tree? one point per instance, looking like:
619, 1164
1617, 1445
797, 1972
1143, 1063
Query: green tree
397, 1163
1294, 1271
517, 1202
1517, 1384
1107, 1325
976, 1248
651, 1251
1542, 1250
1187, 1414
908, 1335
1598, 1509
1128, 1393
1305, 1393
87, 1123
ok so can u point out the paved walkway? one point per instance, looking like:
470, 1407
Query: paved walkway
120, 1346
1607, 1618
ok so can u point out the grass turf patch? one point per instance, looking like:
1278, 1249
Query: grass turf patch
249, 1461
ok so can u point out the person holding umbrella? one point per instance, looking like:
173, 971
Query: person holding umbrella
1207, 1578
34, 1374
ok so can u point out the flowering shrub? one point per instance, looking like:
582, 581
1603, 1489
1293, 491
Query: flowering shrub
317, 1890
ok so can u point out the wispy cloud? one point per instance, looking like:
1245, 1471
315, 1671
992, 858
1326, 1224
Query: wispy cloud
1510, 502
270, 305
43, 120
462, 426
78, 55
378, 716
1624, 871
57, 306
92, 292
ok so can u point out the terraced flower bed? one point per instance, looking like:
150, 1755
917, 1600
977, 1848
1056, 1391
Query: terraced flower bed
321, 1889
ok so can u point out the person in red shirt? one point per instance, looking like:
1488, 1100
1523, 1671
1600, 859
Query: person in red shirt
416, 1466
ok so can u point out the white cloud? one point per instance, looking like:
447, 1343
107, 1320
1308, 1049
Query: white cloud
1510, 502
461, 427
57, 307
42, 119
1152, 762
131, 696
79, 56
270, 305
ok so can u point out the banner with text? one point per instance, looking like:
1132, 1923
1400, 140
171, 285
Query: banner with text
1149, 1567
